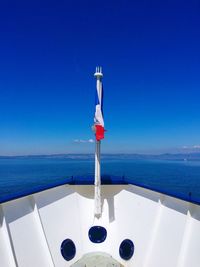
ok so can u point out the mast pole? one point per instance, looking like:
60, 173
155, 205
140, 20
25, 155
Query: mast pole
97, 193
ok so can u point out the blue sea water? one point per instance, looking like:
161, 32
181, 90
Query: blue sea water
19, 174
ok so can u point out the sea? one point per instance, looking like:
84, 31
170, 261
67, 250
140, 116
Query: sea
174, 176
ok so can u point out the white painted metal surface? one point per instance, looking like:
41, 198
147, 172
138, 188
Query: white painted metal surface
97, 181
164, 230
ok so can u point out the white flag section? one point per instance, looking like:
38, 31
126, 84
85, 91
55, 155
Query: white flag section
99, 126
98, 119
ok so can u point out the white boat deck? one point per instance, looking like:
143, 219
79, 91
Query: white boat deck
165, 230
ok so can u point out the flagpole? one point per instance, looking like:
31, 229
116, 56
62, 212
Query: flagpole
97, 194
97, 183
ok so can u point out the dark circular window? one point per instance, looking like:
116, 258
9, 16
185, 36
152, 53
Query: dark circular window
68, 249
97, 234
126, 249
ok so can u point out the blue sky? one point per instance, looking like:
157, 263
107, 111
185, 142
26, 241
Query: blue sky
150, 53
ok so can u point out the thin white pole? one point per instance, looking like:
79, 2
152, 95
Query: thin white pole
97, 183
97, 193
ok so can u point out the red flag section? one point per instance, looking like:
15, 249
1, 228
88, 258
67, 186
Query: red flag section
99, 131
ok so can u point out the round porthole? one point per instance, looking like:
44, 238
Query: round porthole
68, 249
126, 249
97, 234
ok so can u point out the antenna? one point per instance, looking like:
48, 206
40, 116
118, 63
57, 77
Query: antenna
98, 74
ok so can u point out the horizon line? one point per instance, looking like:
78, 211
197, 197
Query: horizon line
110, 153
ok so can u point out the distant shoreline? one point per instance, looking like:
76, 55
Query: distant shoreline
166, 156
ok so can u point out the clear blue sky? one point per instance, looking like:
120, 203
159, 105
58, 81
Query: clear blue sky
150, 53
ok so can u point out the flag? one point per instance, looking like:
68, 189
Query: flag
98, 118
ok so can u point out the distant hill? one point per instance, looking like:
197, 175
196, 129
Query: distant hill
166, 156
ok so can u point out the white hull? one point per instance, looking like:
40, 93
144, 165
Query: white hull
165, 230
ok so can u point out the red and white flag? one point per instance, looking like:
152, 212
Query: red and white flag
98, 118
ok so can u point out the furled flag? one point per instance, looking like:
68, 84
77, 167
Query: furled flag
98, 118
